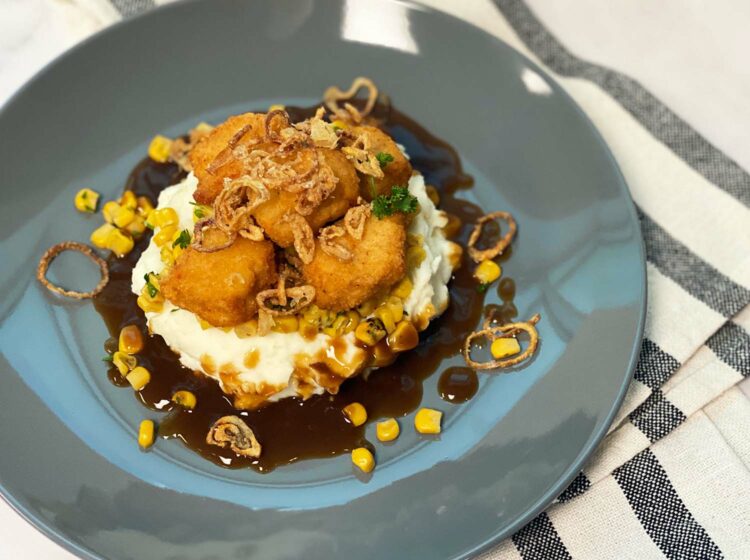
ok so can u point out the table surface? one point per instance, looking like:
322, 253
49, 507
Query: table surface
689, 53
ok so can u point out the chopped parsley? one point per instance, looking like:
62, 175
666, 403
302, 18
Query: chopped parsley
481, 288
183, 240
398, 201
200, 211
152, 290
107, 358
384, 158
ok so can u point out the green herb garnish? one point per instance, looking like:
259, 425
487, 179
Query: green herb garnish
481, 288
398, 201
183, 240
384, 158
107, 359
152, 290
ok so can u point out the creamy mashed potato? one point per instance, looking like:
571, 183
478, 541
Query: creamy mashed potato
268, 362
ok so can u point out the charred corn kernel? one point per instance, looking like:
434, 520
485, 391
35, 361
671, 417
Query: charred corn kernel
433, 194
124, 216
146, 434
144, 205
285, 323
86, 200
414, 256
403, 288
427, 421
387, 430
276, 107
123, 362
164, 217
131, 340
110, 210
138, 378
366, 308
385, 314
504, 347
164, 235
137, 226
487, 272
120, 243
396, 307
185, 399
248, 329
128, 200
370, 331
363, 459
340, 124
404, 337
356, 413
100, 236
159, 148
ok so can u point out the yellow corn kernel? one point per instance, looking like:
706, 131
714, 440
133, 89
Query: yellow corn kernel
137, 226
404, 337
351, 322
153, 279
205, 325
403, 288
185, 399
149, 305
414, 256
432, 194
167, 256
504, 347
370, 331
340, 124
427, 421
276, 107
366, 308
487, 272
120, 243
164, 235
159, 148
124, 216
146, 434
285, 323
100, 236
307, 328
164, 217
131, 340
363, 459
123, 362
86, 200
177, 251
387, 430
356, 413
144, 205
385, 314
128, 200
414, 239
110, 210
396, 307
138, 378
248, 329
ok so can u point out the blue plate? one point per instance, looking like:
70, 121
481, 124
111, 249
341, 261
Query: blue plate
68, 459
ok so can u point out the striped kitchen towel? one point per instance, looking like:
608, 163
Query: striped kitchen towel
671, 479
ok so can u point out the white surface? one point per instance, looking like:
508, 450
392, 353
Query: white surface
690, 53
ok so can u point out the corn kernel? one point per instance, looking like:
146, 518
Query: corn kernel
144, 205
487, 272
340, 124
205, 325
124, 216
356, 413
185, 399
432, 194
363, 459
146, 434
427, 421
285, 324
137, 226
403, 288
120, 243
159, 148
86, 200
453, 227
370, 331
307, 328
149, 305
396, 306
138, 378
366, 308
123, 362
352, 321
164, 217
404, 337
164, 235
131, 340
414, 256
504, 347
387, 430
166, 255
414, 239
100, 236
276, 107
248, 329
385, 314
110, 210
128, 200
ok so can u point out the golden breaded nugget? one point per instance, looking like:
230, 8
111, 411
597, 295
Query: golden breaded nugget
396, 173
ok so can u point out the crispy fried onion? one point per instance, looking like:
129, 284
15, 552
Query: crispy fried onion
355, 220
232, 432
329, 244
198, 237
320, 189
480, 255
503, 331
362, 157
349, 112
50, 255
304, 242
181, 147
234, 204
227, 154
285, 301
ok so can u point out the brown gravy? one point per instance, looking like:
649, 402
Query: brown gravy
293, 429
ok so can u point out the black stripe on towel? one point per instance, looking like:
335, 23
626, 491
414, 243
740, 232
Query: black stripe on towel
731, 344
656, 416
580, 484
539, 540
655, 366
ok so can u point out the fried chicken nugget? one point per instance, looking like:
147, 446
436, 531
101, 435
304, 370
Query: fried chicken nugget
270, 215
378, 263
220, 287
396, 173
206, 150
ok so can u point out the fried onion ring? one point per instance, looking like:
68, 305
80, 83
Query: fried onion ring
479, 255
295, 299
50, 255
503, 331
333, 95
